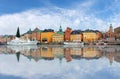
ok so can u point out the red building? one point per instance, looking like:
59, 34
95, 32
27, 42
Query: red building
67, 34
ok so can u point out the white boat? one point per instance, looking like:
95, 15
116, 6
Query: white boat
18, 41
74, 43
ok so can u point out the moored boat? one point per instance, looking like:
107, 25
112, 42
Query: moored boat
18, 41
74, 43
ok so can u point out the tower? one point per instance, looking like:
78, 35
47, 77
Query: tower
111, 28
110, 32
60, 29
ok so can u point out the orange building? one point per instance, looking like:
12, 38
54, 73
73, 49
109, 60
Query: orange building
67, 34
46, 35
36, 34
99, 34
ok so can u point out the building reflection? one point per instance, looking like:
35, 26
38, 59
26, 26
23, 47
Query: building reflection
60, 52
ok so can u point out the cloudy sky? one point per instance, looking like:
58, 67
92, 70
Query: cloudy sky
77, 14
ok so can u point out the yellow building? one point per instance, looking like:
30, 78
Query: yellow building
76, 37
58, 37
90, 36
46, 36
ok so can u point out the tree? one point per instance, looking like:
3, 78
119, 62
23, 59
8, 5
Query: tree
18, 33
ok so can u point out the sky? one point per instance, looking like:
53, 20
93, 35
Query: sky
46, 14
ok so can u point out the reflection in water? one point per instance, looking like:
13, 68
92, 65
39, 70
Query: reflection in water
69, 53
51, 62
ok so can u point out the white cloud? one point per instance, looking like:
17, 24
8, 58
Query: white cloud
44, 18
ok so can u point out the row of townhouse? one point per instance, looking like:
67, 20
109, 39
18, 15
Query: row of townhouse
48, 35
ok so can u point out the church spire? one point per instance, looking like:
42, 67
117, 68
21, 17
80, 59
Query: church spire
60, 29
110, 25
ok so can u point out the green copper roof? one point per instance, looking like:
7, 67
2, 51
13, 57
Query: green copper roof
60, 29
61, 33
29, 31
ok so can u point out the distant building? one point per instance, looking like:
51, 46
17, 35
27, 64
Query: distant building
58, 37
117, 32
90, 36
76, 36
6, 38
27, 35
36, 34
110, 32
67, 34
46, 35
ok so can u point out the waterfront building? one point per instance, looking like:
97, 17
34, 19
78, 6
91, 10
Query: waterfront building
67, 34
76, 36
117, 33
7, 38
0, 39
27, 35
58, 37
36, 34
46, 36
90, 36
99, 34
110, 32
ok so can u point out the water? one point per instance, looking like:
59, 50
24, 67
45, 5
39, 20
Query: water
59, 62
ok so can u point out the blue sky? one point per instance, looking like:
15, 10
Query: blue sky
77, 14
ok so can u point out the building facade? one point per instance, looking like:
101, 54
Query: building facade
36, 34
58, 37
67, 34
76, 36
90, 36
46, 36
27, 35
117, 32
110, 32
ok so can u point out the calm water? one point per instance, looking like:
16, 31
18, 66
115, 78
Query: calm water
59, 62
